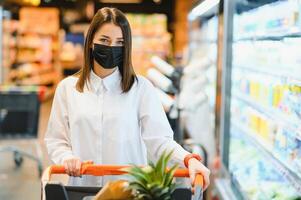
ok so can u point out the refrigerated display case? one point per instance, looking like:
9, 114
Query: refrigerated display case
262, 85
199, 81
203, 48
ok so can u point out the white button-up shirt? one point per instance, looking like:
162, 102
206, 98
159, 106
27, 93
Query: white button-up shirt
107, 126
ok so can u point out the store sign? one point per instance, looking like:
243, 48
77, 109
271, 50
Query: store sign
39, 20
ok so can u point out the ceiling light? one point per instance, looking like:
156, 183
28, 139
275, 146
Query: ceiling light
157, 1
202, 8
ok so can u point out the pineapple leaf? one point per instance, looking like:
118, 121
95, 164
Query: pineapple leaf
153, 182
138, 187
160, 166
167, 158
172, 187
140, 178
169, 176
145, 197
153, 173
138, 174
152, 164
162, 163
156, 189
164, 195
164, 192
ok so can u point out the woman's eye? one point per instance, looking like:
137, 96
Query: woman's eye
104, 40
120, 42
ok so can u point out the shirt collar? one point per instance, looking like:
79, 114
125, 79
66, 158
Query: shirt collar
109, 83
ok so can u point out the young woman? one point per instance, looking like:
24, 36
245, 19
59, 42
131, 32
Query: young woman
108, 115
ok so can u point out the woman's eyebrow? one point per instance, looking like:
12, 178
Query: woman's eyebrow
120, 38
105, 36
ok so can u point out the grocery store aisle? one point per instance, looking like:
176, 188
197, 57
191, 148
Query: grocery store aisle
24, 182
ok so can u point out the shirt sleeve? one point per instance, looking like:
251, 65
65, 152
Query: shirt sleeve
155, 128
57, 135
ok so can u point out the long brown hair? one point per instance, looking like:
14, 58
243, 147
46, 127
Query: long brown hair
109, 15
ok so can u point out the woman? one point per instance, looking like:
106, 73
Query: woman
105, 113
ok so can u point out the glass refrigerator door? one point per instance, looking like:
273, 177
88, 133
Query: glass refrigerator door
199, 82
265, 123
203, 54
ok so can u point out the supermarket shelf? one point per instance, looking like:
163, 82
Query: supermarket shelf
150, 36
277, 71
37, 70
224, 190
69, 65
43, 79
42, 34
28, 60
237, 188
279, 117
283, 167
33, 47
36, 81
208, 41
271, 36
142, 51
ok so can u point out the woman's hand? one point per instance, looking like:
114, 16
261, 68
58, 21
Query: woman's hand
72, 166
196, 167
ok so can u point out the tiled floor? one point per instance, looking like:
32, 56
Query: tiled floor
24, 182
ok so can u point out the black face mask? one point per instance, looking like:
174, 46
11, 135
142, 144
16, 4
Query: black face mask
108, 56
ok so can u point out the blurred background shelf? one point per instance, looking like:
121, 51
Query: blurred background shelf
273, 71
283, 166
271, 36
271, 112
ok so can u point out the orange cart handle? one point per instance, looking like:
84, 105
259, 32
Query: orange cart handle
102, 170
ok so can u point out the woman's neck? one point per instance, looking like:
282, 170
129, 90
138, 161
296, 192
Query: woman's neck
102, 72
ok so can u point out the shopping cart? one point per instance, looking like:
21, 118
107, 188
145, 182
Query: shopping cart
56, 191
19, 119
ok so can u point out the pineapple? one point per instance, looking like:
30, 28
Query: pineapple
153, 182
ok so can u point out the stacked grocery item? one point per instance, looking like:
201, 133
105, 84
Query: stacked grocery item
277, 57
8, 45
71, 56
279, 140
263, 22
150, 38
257, 178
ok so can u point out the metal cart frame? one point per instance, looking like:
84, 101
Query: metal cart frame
10, 101
56, 191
